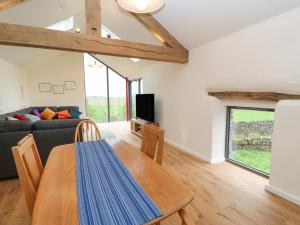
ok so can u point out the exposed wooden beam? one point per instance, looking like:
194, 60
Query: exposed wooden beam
93, 17
17, 35
9, 3
158, 30
262, 96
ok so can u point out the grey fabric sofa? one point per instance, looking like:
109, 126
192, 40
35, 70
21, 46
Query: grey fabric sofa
47, 134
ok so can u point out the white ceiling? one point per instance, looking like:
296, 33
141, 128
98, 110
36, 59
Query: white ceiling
192, 22
196, 22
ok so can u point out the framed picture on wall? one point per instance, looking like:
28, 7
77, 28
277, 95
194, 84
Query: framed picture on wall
58, 89
45, 87
70, 85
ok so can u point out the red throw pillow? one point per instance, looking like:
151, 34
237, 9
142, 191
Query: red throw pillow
63, 115
20, 117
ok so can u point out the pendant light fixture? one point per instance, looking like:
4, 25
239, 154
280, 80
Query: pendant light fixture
141, 6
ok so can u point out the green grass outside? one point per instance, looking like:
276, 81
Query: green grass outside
243, 115
97, 109
256, 159
259, 160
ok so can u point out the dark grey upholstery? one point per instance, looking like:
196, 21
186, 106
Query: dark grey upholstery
55, 124
7, 163
47, 134
10, 126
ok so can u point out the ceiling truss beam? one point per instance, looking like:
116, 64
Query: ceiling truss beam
92, 42
9, 3
158, 30
26, 36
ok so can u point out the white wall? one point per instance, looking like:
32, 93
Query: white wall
285, 166
263, 57
64, 67
13, 88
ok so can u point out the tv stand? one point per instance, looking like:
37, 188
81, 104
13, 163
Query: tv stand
137, 126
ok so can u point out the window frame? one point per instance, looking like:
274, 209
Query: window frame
227, 138
139, 80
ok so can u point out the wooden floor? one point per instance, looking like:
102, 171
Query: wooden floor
224, 193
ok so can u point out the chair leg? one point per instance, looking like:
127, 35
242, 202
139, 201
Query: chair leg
186, 220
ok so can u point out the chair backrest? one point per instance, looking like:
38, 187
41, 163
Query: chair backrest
29, 167
87, 130
153, 142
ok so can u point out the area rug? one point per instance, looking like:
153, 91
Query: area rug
107, 134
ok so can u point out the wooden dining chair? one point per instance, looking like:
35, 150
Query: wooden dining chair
29, 167
153, 142
87, 130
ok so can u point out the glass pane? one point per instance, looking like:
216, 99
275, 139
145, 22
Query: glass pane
96, 89
117, 97
134, 92
250, 138
56, 15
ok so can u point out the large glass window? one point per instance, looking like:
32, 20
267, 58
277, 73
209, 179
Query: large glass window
106, 92
117, 97
96, 89
249, 133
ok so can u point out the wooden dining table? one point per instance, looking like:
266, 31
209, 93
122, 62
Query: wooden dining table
56, 200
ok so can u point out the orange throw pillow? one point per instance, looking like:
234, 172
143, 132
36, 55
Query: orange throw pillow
63, 115
47, 114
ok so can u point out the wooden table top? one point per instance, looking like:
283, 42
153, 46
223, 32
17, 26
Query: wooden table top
56, 202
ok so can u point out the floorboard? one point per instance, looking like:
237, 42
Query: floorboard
225, 194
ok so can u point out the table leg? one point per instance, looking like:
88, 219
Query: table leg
186, 220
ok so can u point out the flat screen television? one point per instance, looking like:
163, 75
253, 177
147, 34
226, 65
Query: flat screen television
145, 107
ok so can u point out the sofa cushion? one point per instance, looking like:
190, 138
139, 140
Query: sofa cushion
55, 124
23, 111
11, 126
75, 113
20, 117
47, 114
32, 118
36, 112
63, 114
11, 118
42, 108
69, 108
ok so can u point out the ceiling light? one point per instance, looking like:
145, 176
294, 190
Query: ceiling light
141, 6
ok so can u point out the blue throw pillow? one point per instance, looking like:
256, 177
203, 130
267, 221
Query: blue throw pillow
75, 113
32, 118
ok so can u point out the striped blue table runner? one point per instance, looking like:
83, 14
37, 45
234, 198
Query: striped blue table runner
107, 193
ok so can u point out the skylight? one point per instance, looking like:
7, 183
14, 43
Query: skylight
63, 25
106, 32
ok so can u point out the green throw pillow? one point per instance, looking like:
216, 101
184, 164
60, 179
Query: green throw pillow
75, 113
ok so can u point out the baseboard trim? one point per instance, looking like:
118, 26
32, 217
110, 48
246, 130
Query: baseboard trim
194, 153
217, 160
282, 194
